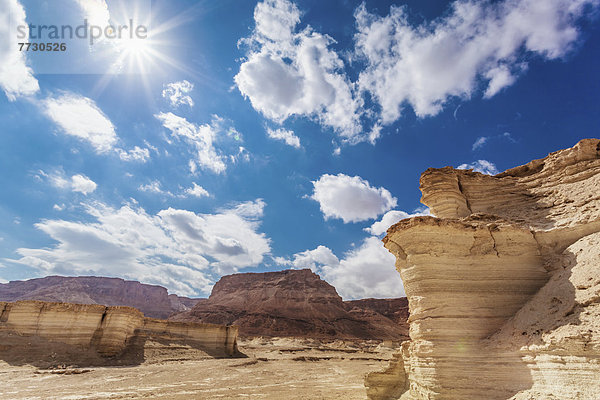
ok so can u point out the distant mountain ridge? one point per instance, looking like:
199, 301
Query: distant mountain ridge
297, 303
154, 301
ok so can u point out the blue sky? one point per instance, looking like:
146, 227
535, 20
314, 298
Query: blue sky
246, 136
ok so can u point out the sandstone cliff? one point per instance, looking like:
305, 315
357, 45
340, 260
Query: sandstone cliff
96, 334
503, 286
291, 303
152, 300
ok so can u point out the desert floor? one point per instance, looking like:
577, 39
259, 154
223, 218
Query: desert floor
274, 369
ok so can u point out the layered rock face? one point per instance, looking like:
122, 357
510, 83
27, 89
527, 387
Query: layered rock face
107, 331
503, 286
289, 303
153, 301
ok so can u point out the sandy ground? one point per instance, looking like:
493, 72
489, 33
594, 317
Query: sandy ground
274, 369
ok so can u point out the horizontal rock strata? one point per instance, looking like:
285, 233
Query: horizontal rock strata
503, 285
108, 331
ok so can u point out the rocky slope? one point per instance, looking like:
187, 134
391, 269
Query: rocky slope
503, 286
394, 309
153, 301
95, 334
292, 303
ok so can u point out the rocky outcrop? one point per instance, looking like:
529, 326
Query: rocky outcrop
394, 309
152, 300
503, 286
290, 303
109, 332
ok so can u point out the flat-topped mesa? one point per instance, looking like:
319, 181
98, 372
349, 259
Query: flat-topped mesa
294, 303
467, 274
108, 331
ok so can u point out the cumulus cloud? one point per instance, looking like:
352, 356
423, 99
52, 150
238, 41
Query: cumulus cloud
181, 250
351, 198
475, 42
367, 271
290, 72
197, 191
313, 259
177, 93
392, 217
83, 184
80, 117
16, 77
135, 154
77, 183
285, 135
483, 166
201, 137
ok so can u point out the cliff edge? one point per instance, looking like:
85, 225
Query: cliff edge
42, 333
503, 285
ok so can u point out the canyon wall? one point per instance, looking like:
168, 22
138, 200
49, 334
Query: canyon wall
107, 331
503, 284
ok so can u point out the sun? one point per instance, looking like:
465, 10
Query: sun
134, 47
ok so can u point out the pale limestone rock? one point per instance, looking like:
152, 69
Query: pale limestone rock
107, 330
504, 286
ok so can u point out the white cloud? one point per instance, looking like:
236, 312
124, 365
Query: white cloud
177, 93
154, 187
135, 154
178, 249
80, 117
83, 184
499, 78
59, 207
289, 72
286, 135
480, 142
351, 198
197, 191
202, 137
96, 12
77, 183
483, 166
16, 78
313, 259
484, 140
424, 66
367, 271
391, 217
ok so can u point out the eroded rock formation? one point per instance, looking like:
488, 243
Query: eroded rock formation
109, 332
293, 303
152, 300
503, 285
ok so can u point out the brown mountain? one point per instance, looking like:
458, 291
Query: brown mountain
154, 301
294, 303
